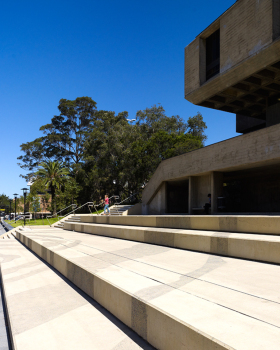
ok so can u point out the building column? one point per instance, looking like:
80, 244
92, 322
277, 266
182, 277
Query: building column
216, 190
163, 208
192, 193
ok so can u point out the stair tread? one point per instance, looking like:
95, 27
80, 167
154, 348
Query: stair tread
56, 315
235, 235
258, 247
239, 297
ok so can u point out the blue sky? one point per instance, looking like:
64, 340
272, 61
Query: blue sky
126, 55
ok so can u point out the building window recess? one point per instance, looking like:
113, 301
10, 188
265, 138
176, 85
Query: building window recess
213, 54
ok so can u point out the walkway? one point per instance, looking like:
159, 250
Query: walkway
4, 343
233, 302
47, 312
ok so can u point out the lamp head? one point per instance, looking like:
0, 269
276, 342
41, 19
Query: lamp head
24, 190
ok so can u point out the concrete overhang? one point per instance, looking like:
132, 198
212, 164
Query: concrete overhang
246, 89
257, 149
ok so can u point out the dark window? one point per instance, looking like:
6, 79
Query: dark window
213, 54
177, 197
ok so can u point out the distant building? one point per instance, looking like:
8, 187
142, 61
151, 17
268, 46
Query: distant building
232, 66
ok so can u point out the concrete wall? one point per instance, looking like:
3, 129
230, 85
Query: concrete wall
247, 28
199, 188
135, 210
192, 66
158, 203
258, 148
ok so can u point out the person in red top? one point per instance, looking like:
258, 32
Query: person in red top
106, 206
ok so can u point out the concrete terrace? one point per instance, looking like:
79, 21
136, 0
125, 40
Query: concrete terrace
173, 298
46, 311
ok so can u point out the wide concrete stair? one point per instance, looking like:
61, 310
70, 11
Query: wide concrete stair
45, 311
115, 210
173, 298
69, 218
118, 210
253, 238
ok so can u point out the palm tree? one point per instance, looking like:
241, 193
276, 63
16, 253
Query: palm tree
52, 175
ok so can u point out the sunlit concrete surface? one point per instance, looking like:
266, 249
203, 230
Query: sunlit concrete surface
46, 312
4, 344
176, 299
262, 247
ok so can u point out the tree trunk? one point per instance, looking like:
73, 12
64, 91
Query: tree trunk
53, 200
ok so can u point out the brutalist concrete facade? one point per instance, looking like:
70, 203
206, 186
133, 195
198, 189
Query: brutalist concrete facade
233, 66
246, 80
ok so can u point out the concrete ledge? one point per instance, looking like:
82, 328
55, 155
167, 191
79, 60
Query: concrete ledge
46, 313
247, 246
262, 224
114, 291
167, 311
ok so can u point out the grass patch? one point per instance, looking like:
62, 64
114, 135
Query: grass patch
48, 222
32, 222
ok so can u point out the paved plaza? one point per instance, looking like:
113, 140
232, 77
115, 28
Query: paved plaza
48, 312
233, 302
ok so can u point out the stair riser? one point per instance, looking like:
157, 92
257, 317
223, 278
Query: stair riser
155, 326
233, 245
266, 225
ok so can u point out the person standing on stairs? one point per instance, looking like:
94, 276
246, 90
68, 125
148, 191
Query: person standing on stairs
106, 206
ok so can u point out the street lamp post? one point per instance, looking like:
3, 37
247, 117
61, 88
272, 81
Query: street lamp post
24, 195
10, 200
15, 194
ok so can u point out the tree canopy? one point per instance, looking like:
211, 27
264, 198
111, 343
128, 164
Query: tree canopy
63, 138
104, 152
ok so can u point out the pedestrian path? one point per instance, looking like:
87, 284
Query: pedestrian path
4, 342
2, 230
47, 312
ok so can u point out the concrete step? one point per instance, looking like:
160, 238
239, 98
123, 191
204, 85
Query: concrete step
174, 299
262, 224
239, 245
7, 235
123, 206
46, 312
59, 225
119, 209
71, 218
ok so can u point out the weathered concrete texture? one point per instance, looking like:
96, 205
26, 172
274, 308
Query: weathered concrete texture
259, 148
175, 299
246, 246
260, 224
249, 48
4, 343
245, 29
46, 312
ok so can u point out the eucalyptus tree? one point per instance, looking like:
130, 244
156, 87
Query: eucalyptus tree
120, 157
63, 139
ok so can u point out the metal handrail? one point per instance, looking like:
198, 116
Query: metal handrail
97, 205
127, 198
59, 216
89, 204
71, 205
116, 204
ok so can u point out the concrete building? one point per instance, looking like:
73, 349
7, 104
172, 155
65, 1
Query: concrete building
233, 66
